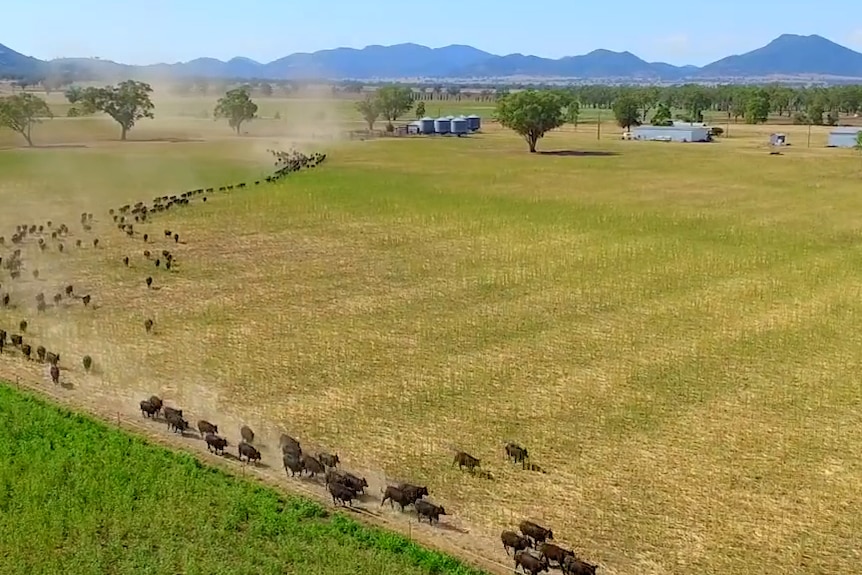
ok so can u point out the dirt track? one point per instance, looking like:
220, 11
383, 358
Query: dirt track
76, 392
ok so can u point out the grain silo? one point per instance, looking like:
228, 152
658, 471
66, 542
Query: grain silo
459, 126
426, 125
474, 122
442, 125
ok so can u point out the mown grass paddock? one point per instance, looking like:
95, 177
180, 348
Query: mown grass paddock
667, 327
78, 497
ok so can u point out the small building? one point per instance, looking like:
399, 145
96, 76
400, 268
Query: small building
843, 137
684, 133
777, 140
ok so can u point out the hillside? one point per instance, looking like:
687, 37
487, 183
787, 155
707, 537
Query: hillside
788, 55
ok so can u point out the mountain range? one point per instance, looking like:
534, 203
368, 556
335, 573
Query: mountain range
788, 56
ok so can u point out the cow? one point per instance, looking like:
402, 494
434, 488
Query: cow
205, 426
157, 401
516, 453
555, 553
215, 443
528, 562
249, 452
293, 463
535, 532
429, 510
176, 423
148, 409
55, 373
341, 493
358, 484
395, 495
328, 459
512, 540
170, 411
289, 444
413, 491
312, 465
574, 566
246, 433
463, 459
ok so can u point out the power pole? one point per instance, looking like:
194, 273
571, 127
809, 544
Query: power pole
809, 134
599, 126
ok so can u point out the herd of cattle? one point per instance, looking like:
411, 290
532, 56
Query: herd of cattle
533, 551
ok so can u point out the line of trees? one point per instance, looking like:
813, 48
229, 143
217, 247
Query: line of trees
126, 103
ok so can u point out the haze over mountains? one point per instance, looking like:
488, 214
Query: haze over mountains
788, 56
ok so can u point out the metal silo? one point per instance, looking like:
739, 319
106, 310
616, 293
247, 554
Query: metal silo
442, 125
474, 122
426, 125
459, 126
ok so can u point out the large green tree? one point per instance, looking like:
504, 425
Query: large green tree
392, 102
531, 113
757, 108
627, 111
126, 103
236, 105
20, 111
662, 116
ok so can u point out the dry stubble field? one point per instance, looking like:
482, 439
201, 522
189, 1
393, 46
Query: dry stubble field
672, 330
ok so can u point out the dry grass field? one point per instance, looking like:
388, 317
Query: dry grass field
670, 329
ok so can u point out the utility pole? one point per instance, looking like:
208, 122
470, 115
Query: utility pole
809, 134
599, 126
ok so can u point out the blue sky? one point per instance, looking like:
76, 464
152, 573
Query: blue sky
178, 30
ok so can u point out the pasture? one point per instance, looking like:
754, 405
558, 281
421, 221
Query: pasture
668, 328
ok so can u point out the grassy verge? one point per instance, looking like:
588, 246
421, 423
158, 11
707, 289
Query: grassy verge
79, 497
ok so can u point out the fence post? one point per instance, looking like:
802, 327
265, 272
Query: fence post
118, 419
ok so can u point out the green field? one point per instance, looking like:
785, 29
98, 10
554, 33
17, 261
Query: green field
668, 328
78, 497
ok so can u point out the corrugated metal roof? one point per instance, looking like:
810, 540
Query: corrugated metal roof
845, 130
669, 128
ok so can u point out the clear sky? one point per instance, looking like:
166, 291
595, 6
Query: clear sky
673, 31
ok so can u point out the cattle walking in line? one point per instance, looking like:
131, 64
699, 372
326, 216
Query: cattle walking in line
428, 510
516, 453
529, 563
535, 531
341, 494
148, 409
512, 540
293, 463
215, 443
249, 452
463, 459
555, 553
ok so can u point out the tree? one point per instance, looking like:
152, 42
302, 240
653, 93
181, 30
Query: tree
420, 109
757, 109
572, 111
858, 145
369, 109
663, 116
126, 103
21, 111
531, 114
236, 105
627, 112
393, 101
266, 89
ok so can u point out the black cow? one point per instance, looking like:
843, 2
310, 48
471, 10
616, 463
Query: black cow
516, 453
205, 426
429, 510
289, 444
574, 566
171, 412
535, 531
463, 459
148, 409
555, 553
249, 452
215, 443
395, 495
312, 465
176, 423
293, 463
341, 493
528, 562
328, 459
247, 434
512, 540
